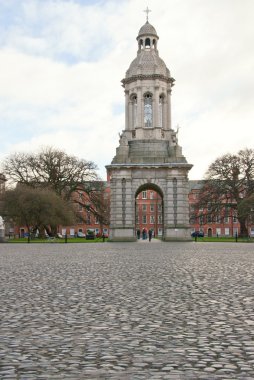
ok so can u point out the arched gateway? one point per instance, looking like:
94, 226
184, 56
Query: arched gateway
148, 155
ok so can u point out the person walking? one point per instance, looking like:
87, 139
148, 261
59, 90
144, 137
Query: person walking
150, 234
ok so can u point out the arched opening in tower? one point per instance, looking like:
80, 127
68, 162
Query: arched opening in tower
149, 212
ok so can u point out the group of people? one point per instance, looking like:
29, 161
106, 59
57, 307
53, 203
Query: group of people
144, 234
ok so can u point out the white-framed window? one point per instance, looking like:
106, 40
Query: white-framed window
159, 207
152, 207
144, 219
151, 195
159, 218
144, 194
152, 219
218, 231
88, 218
227, 231
217, 219
143, 207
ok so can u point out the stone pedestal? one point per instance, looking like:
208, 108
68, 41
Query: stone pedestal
122, 234
169, 180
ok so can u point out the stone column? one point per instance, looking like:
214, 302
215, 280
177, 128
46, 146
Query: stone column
168, 126
168, 206
121, 221
164, 113
139, 105
126, 109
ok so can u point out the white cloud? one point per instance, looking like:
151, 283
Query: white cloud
61, 64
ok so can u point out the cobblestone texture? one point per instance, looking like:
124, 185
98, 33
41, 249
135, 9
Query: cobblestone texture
127, 311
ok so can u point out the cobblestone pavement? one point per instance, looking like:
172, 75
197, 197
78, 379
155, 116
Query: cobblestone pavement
127, 311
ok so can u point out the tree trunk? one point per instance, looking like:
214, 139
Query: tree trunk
41, 234
243, 228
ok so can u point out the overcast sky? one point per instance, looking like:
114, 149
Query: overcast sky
61, 63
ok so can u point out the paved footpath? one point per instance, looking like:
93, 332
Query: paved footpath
127, 311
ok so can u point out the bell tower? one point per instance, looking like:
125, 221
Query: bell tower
148, 155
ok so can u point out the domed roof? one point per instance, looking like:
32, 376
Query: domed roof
147, 29
147, 62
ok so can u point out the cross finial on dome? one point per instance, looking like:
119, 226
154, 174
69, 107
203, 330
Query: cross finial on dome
147, 10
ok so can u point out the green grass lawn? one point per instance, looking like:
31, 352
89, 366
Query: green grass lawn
224, 239
99, 240
55, 240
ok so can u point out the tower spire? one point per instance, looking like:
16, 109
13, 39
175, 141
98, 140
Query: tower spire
147, 10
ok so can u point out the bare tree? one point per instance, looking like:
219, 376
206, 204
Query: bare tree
99, 201
50, 168
229, 181
246, 209
66, 175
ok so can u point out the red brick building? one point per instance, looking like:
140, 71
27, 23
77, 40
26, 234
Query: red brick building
225, 223
149, 212
149, 215
87, 219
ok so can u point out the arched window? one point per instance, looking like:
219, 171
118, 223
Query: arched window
161, 110
148, 111
147, 43
140, 44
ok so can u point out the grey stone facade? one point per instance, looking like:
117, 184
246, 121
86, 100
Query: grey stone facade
148, 155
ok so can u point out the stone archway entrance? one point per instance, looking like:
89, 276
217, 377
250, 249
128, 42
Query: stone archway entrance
126, 181
149, 211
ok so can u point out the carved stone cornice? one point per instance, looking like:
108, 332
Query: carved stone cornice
148, 76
